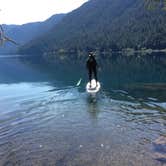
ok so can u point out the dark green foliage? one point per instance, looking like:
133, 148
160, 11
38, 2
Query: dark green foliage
154, 4
105, 25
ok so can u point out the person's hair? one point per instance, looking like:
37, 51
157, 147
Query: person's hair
91, 54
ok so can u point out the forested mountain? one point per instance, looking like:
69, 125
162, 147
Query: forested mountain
26, 32
105, 25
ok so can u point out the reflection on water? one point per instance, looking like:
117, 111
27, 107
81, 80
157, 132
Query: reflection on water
46, 120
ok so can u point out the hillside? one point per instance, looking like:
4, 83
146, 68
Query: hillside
26, 32
105, 25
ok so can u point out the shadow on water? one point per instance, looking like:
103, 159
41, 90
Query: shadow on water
92, 104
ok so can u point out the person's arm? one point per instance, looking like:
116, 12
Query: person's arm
87, 64
96, 64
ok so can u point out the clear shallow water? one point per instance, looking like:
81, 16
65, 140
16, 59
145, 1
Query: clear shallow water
46, 120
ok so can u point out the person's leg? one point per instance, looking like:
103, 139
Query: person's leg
90, 76
95, 75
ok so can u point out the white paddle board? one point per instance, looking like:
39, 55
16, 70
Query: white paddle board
93, 88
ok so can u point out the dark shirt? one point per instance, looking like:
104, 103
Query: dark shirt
91, 63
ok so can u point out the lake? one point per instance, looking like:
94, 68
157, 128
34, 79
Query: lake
46, 120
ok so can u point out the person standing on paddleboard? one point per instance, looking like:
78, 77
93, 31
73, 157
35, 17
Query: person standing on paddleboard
91, 65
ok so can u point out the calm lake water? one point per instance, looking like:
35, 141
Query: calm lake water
46, 120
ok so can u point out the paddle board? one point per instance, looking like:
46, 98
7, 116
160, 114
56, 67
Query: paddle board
93, 88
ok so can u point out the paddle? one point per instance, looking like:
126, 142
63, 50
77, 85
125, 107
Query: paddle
79, 82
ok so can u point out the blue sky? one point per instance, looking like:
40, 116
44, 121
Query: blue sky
24, 11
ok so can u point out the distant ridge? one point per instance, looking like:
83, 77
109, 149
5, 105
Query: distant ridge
105, 25
26, 32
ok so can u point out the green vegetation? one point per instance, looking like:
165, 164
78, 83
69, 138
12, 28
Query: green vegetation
103, 26
153, 4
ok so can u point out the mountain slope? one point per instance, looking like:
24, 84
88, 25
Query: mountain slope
26, 32
105, 25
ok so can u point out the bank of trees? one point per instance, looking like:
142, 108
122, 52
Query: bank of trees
110, 25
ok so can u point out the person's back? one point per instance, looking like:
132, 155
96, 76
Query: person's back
91, 62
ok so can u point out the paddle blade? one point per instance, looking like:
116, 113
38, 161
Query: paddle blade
79, 82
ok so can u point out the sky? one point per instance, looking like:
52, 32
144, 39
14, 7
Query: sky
25, 11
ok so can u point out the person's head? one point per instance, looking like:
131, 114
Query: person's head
91, 54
